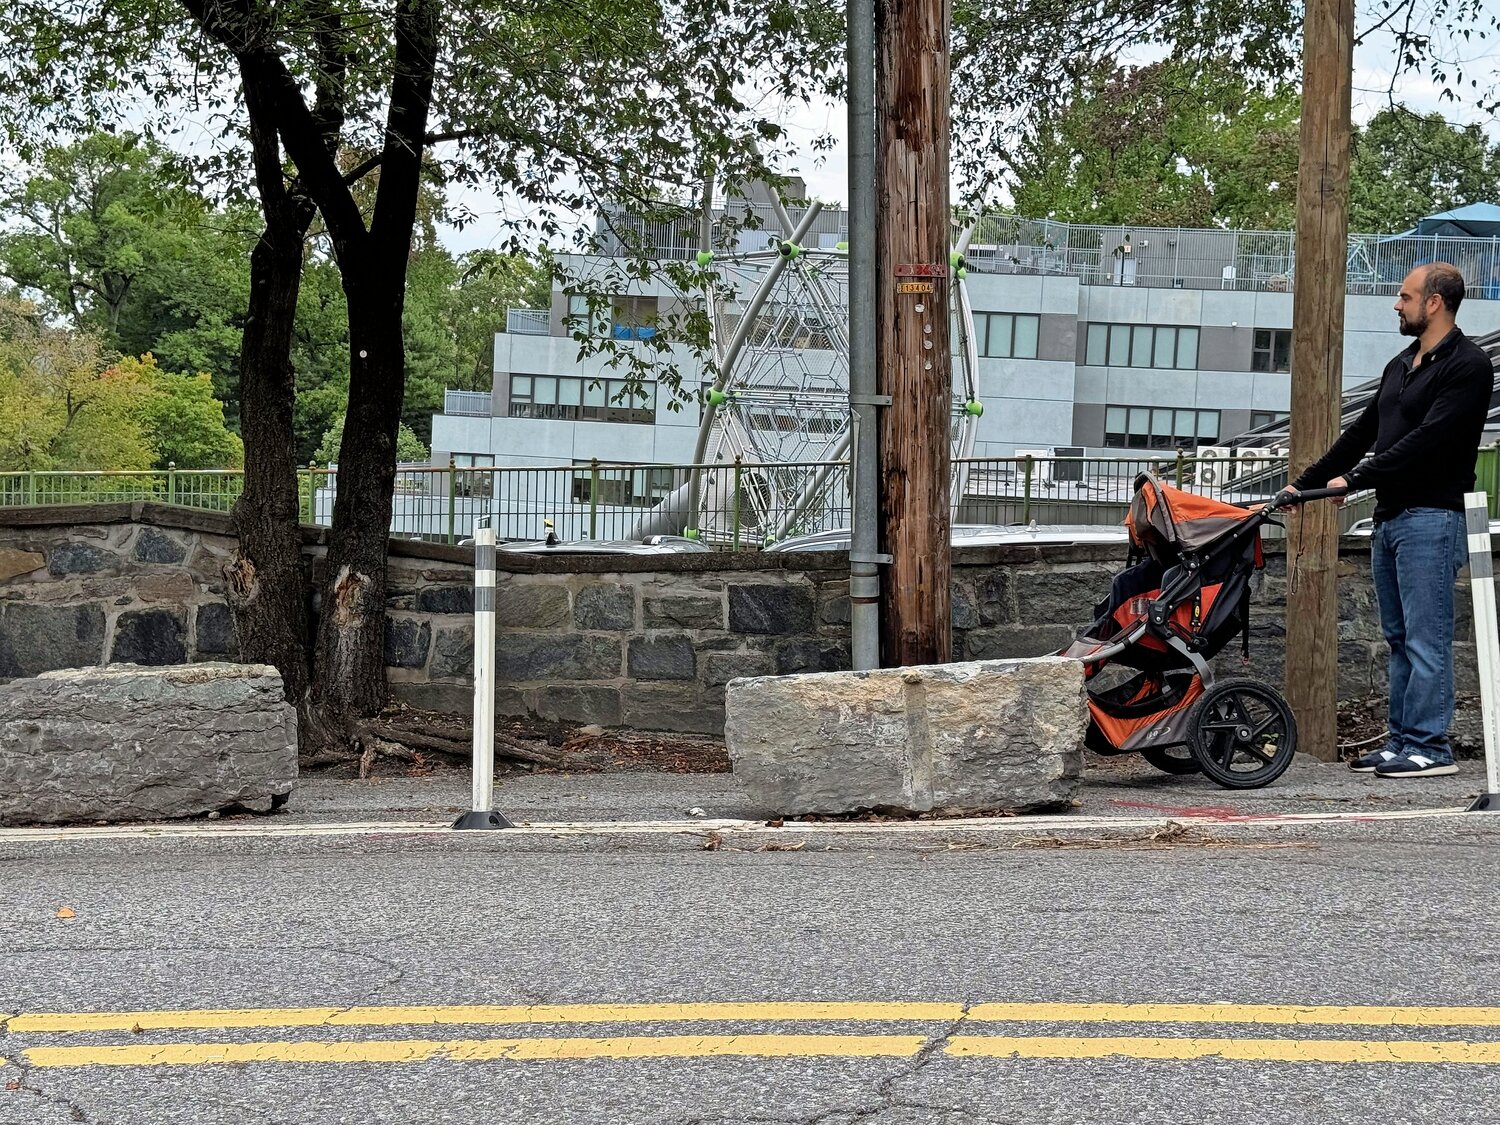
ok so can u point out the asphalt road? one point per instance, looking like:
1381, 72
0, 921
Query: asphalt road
1396, 914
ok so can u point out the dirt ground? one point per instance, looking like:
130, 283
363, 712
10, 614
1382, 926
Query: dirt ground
592, 749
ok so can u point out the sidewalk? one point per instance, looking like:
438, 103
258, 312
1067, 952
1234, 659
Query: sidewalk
1125, 788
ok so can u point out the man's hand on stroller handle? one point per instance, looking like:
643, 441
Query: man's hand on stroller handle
1337, 490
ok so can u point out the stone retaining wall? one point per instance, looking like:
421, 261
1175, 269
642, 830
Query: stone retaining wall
646, 642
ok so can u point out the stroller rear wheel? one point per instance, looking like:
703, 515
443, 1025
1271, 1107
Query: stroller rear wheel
1242, 733
1172, 759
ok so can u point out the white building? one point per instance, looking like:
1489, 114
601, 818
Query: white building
1099, 339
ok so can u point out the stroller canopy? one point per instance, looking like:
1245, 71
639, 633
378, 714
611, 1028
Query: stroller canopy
1181, 519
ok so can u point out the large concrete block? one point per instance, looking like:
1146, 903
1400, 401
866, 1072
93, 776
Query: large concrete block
965, 737
126, 742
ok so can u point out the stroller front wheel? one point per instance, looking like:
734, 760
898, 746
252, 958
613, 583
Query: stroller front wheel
1242, 734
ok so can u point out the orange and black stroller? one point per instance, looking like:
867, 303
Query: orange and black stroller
1185, 596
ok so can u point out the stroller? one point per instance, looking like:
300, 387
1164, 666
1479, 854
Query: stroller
1184, 596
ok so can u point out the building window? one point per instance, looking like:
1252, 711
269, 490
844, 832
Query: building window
573, 397
1259, 418
471, 483
1007, 335
1142, 345
622, 487
1159, 427
1272, 351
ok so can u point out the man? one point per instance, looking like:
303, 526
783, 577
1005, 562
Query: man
1422, 432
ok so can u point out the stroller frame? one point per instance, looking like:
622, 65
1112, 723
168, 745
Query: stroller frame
1176, 713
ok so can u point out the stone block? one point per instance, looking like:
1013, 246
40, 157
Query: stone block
453, 654
538, 657
721, 667
967, 737
1064, 595
963, 610
996, 600
683, 611
39, 638
810, 654
604, 606
669, 706
833, 604
127, 743
151, 637
524, 605
154, 546
406, 642
445, 599
216, 632
579, 703
767, 609
82, 558
14, 563
1014, 642
667, 657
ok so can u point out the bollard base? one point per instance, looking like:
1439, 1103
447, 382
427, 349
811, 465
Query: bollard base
1485, 802
477, 819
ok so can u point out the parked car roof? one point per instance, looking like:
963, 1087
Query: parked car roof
975, 535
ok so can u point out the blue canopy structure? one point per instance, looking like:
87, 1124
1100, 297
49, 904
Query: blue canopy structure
1477, 220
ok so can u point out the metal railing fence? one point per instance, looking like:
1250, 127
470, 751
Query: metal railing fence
747, 504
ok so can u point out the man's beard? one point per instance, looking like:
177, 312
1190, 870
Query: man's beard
1412, 327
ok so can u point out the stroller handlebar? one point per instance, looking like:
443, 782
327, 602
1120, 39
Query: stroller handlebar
1293, 498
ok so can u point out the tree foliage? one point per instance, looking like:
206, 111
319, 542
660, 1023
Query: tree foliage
1167, 144
64, 404
1407, 165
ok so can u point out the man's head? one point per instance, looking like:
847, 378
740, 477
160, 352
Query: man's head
1430, 295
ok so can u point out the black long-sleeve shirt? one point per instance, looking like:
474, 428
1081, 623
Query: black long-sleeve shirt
1421, 430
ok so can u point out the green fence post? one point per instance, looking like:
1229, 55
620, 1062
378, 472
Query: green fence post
1026, 493
1179, 468
171, 482
312, 492
594, 499
31, 487
452, 502
738, 462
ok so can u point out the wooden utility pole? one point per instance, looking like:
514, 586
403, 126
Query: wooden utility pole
914, 364
1317, 367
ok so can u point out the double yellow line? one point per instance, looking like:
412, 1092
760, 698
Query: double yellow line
761, 1045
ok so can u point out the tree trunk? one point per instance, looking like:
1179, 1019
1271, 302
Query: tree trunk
267, 582
350, 661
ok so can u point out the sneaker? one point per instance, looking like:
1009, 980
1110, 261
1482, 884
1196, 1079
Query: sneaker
1369, 763
1415, 765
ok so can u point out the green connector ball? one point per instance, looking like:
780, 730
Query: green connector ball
962, 273
841, 246
974, 407
955, 259
705, 256
717, 397
690, 533
790, 249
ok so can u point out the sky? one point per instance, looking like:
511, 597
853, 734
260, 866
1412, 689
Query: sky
826, 171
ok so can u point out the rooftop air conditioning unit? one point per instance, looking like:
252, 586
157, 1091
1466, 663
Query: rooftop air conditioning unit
1215, 465
1049, 468
1068, 470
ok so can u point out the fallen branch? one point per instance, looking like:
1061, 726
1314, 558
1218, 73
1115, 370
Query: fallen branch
505, 746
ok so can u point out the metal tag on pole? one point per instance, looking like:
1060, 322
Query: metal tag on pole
481, 814
1487, 641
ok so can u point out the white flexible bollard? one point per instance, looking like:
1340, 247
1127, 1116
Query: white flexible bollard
481, 813
1487, 641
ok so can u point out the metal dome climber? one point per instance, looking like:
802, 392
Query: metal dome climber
780, 403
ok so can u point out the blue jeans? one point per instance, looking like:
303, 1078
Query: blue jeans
1416, 558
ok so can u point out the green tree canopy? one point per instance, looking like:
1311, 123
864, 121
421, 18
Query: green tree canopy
1407, 165
409, 447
